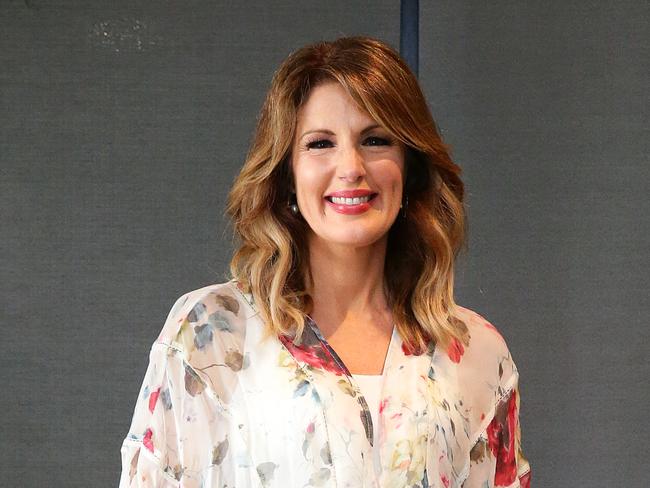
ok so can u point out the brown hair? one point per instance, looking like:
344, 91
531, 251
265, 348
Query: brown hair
271, 261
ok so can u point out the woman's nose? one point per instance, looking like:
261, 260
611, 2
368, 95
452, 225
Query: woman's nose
351, 165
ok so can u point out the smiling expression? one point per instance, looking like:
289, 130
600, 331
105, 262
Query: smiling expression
348, 170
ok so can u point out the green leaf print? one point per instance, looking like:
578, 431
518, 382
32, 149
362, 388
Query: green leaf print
193, 384
220, 321
234, 360
326, 454
219, 452
266, 471
346, 387
202, 335
228, 303
320, 478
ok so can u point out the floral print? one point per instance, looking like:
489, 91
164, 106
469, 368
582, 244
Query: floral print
503, 436
314, 351
223, 405
455, 350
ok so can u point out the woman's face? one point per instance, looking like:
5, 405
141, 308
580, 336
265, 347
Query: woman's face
348, 170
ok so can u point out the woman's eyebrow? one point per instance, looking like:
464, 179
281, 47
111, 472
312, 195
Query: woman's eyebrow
331, 133
321, 131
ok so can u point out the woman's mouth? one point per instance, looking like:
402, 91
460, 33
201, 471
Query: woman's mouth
350, 205
351, 201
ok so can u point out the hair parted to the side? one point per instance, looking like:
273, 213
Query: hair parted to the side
272, 259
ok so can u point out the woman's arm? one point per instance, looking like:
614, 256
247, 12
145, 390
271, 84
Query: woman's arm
497, 456
150, 451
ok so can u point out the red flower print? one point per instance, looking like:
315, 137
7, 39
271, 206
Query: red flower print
153, 398
455, 350
410, 349
494, 436
382, 405
489, 325
415, 349
146, 440
492, 328
444, 480
501, 441
315, 356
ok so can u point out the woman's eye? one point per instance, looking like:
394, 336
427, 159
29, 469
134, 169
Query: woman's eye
319, 144
376, 141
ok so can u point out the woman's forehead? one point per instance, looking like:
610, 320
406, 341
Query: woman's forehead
331, 104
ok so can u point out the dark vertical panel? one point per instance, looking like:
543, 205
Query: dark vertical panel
409, 32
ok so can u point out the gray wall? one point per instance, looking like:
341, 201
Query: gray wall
124, 123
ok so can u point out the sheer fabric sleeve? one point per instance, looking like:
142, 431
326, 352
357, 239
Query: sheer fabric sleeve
183, 432
504, 442
150, 452
497, 459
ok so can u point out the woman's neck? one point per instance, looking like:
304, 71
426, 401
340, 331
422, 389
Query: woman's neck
348, 286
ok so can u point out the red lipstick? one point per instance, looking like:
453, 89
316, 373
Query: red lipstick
350, 193
350, 208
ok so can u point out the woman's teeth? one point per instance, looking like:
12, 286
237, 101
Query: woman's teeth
350, 201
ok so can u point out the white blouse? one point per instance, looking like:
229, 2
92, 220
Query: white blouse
222, 404
370, 387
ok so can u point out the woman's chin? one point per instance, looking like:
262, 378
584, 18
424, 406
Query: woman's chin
354, 239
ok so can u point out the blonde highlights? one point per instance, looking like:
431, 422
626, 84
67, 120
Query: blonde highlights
271, 261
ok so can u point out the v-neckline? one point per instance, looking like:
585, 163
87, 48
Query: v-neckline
307, 357
366, 416
419, 401
410, 397
317, 332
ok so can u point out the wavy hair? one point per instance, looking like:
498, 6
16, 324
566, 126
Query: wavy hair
271, 261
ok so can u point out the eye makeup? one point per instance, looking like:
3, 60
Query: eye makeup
323, 143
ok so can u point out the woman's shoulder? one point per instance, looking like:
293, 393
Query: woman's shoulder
201, 316
480, 329
484, 350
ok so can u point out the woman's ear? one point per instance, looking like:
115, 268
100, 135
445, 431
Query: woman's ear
285, 182
288, 174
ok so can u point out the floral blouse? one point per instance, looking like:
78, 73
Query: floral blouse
225, 405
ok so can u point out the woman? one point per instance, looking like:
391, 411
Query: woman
336, 356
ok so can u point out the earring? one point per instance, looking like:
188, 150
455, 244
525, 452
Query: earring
293, 204
405, 205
